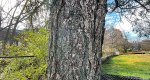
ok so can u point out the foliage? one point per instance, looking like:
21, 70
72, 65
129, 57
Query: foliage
137, 65
30, 43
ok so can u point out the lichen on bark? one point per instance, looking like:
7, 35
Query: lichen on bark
75, 45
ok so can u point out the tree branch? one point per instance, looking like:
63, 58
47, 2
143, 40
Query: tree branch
15, 56
142, 5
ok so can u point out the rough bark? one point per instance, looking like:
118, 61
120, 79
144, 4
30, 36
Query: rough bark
76, 38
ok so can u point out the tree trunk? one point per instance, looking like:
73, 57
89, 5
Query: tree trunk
75, 45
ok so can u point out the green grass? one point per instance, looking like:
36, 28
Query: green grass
137, 65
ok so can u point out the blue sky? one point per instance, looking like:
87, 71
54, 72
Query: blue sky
113, 20
110, 1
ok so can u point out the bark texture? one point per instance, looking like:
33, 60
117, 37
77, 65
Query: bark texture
75, 45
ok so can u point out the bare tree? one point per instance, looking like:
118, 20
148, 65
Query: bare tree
137, 13
145, 45
19, 14
0, 16
114, 41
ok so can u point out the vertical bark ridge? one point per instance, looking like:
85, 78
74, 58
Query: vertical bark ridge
76, 39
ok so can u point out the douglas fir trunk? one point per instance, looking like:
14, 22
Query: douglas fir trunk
75, 45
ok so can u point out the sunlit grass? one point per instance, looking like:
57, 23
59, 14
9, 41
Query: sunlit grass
137, 65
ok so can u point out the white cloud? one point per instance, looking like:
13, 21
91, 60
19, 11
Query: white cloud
7, 4
126, 28
124, 25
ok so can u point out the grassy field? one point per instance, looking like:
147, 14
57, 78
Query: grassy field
137, 65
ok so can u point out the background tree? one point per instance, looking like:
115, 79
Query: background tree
114, 41
137, 13
19, 15
145, 45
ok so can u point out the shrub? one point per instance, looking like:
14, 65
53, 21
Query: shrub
30, 44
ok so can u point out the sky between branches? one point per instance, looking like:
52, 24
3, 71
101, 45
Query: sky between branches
112, 20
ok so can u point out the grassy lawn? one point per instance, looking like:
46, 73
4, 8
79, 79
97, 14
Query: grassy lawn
137, 65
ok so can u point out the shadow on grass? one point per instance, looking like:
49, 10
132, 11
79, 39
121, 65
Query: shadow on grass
108, 59
117, 77
119, 69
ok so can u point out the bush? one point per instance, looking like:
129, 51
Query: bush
30, 44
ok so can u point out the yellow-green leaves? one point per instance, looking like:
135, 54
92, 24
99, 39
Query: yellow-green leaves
30, 44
